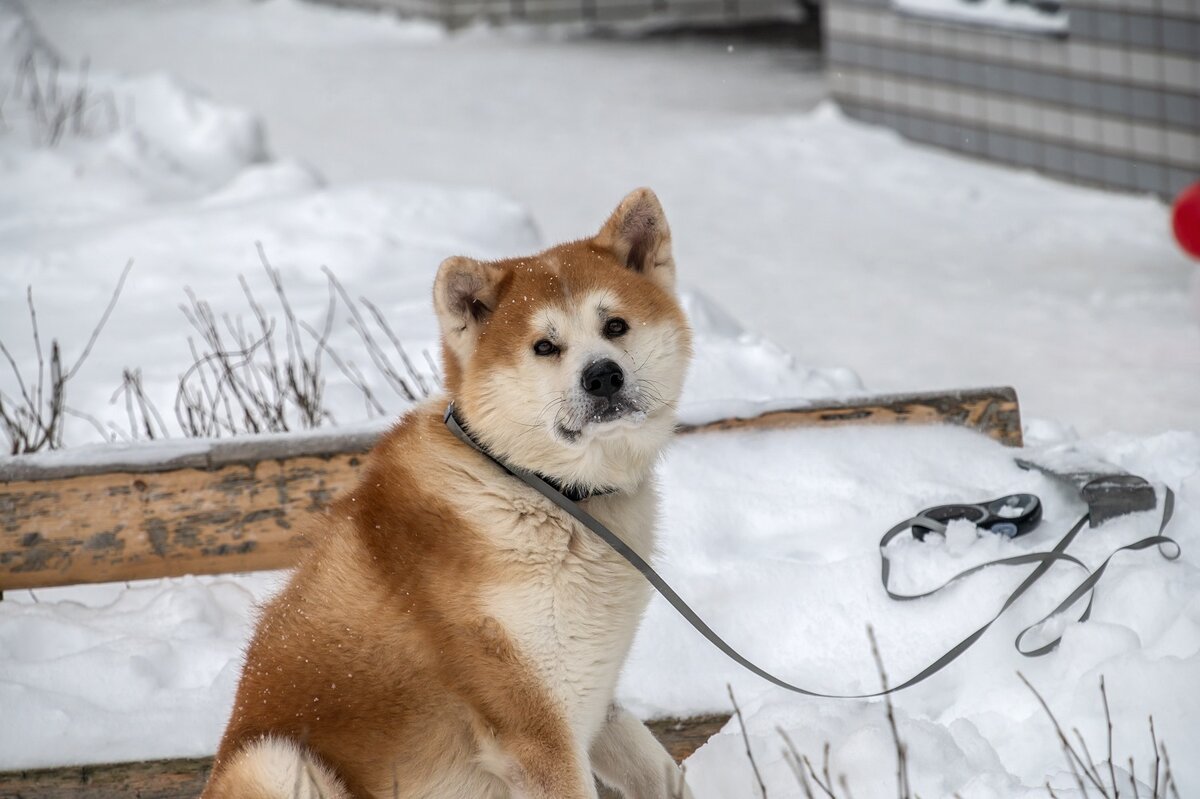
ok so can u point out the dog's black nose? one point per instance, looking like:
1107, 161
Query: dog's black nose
603, 378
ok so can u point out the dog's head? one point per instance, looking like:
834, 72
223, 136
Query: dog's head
571, 362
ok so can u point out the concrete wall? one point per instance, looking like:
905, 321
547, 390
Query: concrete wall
1115, 101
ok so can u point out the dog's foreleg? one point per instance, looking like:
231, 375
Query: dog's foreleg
522, 734
627, 756
538, 769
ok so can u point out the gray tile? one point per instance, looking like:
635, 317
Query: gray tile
869, 54
975, 141
1178, 180
993, 146
1082, 23
1149, 177
941, 133
1141, 31
970, 73
869, 115
864, 54
1116, 171
1175, 34
941, 67
1114, 99
1086, 165
887, 59
1056, 158
1004, 147
1081, 92
1145, 104
944, 68
835, 50
1182, 110
998, 78
1057, 89
1111, 62
1025, 82
934, 66
839, 51
921, 129
958, 138
1027, 152
917, 65
1042, 87
1110, 26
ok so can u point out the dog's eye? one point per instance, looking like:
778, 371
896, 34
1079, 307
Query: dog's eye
615, 328
545, 347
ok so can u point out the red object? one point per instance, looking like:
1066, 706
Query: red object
1186, 220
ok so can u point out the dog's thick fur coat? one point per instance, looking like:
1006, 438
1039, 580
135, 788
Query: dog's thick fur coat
452, 633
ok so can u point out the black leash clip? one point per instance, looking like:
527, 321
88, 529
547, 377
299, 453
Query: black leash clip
1010, 516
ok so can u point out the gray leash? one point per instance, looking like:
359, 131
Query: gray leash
1044, 560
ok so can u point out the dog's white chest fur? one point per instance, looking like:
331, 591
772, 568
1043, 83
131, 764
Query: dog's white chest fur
569, 602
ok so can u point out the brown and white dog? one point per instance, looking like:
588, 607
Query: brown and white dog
453, 633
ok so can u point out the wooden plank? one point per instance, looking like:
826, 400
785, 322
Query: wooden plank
995, 412
132, 526
184, 778
154, 779
168, 508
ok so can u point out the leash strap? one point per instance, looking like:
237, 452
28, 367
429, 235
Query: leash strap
1044, 560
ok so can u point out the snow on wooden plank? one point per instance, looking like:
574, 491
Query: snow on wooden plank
165, 509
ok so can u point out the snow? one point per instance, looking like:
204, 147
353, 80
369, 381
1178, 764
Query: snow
997, 13
839, 244
914, 269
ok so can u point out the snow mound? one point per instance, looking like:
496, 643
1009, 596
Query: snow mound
80, 144
185, 188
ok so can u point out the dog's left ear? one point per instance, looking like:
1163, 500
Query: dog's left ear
638, 235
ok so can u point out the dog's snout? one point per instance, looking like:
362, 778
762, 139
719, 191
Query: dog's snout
603, 378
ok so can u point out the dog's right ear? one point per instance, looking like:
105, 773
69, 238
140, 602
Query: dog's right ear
464, 296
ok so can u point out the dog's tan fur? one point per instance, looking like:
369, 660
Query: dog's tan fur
452, 633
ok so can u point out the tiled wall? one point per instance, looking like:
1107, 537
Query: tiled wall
455, 13
1116, 101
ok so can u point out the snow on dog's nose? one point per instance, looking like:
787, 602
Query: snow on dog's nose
603, 378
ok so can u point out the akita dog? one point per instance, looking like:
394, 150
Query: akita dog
452, 633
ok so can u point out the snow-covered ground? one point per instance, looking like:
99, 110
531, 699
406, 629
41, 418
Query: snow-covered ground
916, 269
843, 246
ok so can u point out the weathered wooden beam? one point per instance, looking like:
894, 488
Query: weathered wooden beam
184, 778
995, 412
164, 509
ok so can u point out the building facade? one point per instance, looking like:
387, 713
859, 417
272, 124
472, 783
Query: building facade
1105, 92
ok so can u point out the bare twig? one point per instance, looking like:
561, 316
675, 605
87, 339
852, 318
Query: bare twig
53, 111
825, 786
746, 739
903, 789
1075, 762
36, 422
243, 382
1157, 758
140, 411
398, 383
1112, 774
1168, 776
